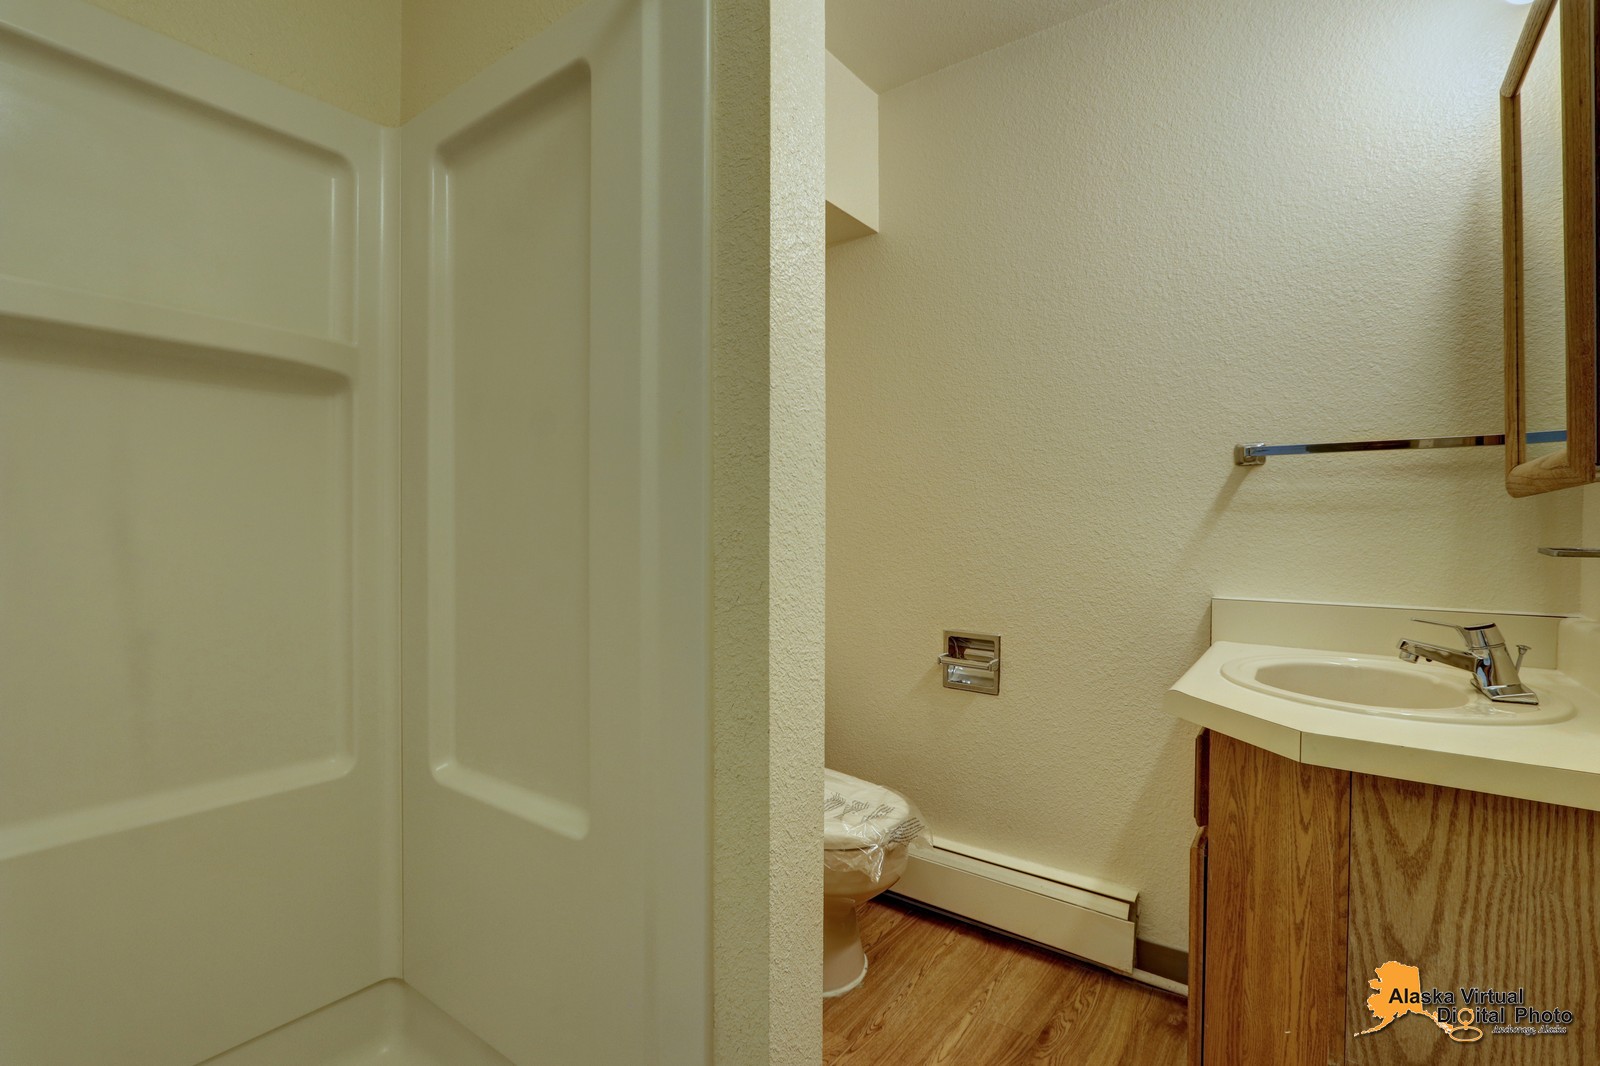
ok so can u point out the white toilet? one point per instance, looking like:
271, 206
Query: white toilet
867, 834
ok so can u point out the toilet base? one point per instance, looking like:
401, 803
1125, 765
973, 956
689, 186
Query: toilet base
844, 961
852, 986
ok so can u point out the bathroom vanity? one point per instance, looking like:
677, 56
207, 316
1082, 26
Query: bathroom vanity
1332, 842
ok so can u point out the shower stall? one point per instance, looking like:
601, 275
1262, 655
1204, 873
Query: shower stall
354, 610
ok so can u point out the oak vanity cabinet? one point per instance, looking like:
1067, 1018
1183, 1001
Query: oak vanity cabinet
1304, 880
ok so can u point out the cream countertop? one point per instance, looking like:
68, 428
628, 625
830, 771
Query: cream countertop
1557, 762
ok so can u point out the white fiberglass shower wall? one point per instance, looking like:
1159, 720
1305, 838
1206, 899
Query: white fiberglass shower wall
221, 473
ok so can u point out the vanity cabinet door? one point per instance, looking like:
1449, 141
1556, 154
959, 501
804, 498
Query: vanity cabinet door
1197, 899
1474, 890
1197, 947
1276, 854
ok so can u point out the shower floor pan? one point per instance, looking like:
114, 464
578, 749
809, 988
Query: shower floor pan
388, 1024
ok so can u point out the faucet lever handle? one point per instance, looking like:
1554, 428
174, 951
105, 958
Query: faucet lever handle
1466, 640
1522, 649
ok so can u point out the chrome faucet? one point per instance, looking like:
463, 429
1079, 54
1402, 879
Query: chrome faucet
1485, 657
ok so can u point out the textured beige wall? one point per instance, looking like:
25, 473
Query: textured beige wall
446, 42
1110, 251
1586, 573
346, 52
767, 515
797, 507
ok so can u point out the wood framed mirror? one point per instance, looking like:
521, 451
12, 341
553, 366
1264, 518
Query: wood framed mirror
1548, 173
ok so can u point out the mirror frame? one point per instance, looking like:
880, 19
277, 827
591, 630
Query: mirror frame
1574, 464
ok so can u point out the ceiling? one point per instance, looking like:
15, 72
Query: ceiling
890, 42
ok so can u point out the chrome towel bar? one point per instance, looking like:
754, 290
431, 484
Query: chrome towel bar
1256, 454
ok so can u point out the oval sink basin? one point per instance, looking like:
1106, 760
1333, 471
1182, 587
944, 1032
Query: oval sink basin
1365, 684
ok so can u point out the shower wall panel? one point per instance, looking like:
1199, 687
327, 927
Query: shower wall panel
198, 839
516, 303
556, 731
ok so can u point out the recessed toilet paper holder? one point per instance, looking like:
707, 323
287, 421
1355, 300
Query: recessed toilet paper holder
971, 661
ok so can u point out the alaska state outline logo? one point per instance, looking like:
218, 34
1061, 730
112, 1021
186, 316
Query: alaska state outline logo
1459, 1013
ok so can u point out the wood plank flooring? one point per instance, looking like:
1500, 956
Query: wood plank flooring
943, 992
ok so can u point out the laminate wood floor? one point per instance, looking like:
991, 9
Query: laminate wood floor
940, 991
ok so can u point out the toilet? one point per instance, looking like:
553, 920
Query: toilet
868, 832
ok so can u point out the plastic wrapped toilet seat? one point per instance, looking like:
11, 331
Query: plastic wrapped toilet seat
863, 822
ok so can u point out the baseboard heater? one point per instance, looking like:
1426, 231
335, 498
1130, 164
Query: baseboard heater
1081, 916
